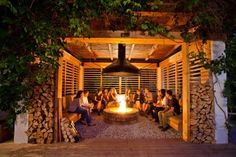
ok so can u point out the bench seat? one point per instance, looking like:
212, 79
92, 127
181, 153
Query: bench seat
175, 122
74, 117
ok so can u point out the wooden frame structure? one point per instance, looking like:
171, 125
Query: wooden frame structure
183, 56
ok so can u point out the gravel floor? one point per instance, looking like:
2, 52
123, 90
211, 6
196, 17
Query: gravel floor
143, 129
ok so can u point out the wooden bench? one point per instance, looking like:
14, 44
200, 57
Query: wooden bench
74, 117
175, 122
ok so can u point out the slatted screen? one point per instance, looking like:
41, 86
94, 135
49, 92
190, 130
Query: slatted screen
164, 76
148, 78
195, 70
92, 79
130, 82
70, 76
110, 82
172, 77
179, 77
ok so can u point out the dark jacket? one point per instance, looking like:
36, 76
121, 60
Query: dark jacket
74, 105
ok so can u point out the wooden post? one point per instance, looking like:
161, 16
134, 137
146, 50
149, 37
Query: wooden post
81, 77
58, 107
159, 79
101, 79
186, 93
120, 85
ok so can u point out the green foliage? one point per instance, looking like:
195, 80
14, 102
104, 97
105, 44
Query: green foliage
31, 30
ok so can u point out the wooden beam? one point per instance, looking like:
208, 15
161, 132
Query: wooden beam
175, 50
131, 51
91, 51
154, 47
110, 51
186, 93
134, 60
148, 41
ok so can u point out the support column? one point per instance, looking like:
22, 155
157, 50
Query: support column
186, 93
159, 80
220, 102
81, 78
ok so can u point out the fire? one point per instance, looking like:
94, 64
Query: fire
122, 103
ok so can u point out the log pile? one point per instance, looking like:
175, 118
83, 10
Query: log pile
69, 131
202, 115
41, 114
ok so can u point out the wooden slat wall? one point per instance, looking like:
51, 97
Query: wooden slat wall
148, 78
172, 74
63, 86
70, 76
197, 72
130, 82
93, 80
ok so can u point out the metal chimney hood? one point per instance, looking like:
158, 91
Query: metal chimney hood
121, 66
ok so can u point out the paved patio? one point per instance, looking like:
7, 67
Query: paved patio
118, 148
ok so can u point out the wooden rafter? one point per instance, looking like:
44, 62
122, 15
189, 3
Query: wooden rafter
125, 40
154, 47
131, 51
110, 51
91, 51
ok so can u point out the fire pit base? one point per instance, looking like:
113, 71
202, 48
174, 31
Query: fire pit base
111, 115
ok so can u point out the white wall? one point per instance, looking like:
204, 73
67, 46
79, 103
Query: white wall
221, 132
21, 126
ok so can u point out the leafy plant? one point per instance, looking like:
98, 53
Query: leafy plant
32, 32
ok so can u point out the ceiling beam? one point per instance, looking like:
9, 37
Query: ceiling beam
134, 60
153, 49
148, 41
91, 51
110, 51
173, 51
131, 51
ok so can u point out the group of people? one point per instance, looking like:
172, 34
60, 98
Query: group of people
161, 109
84, 106
158, 110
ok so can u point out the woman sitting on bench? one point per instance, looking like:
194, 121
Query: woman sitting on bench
76, 107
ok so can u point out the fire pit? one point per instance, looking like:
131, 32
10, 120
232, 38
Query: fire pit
121, 114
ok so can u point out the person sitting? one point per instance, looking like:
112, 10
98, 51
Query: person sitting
75, 107
138, 100
128, 98
160, 104
98, 101
105, 98
171, 109
112, 98
148, 101
85, 103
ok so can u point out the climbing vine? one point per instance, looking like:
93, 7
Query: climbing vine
32, 32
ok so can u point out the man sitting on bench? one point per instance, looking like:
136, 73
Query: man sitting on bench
172, 109
76, 107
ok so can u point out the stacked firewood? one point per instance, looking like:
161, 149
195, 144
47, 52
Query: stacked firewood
202, 115
69, 131
41, 114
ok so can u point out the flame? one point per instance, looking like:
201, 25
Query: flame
122, 103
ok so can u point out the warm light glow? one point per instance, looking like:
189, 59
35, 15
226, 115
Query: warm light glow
122, 103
